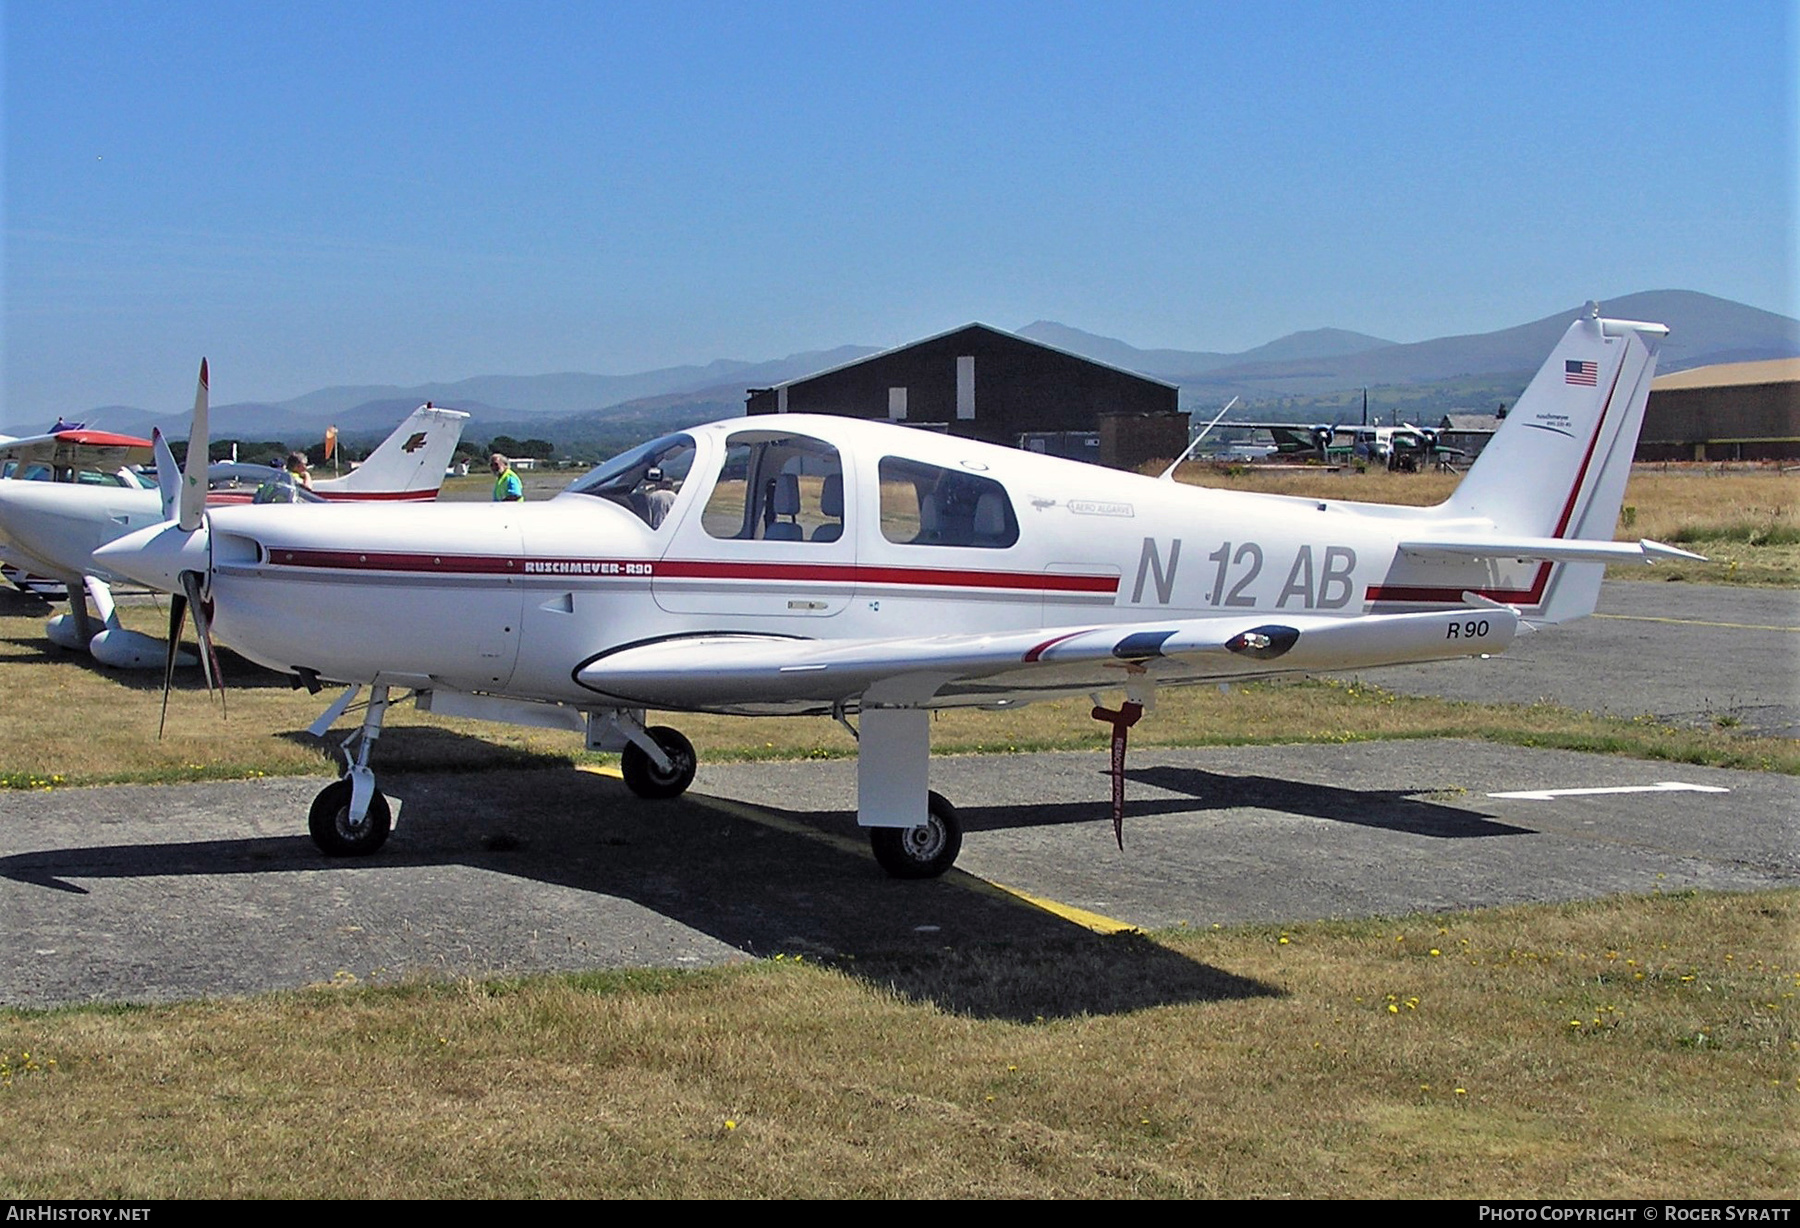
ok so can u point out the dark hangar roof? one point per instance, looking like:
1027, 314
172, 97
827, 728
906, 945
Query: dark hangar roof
975, 328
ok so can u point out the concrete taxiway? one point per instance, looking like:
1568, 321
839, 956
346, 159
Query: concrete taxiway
155, 892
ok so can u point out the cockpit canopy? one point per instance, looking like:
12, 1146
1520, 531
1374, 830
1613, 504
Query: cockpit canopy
643, 481
263, 483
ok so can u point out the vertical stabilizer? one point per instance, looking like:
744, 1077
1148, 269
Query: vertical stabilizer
1558, 464
1557, 467
409, 464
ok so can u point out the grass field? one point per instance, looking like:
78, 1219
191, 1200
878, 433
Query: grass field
1632, 1048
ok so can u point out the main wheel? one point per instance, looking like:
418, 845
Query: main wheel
645, 779
332, 829
925, 851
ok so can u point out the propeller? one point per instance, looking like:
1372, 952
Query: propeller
193, 480
184, 501
168, 474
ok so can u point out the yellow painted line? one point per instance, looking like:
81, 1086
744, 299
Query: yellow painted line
1692, 622
752, 814
1097, 922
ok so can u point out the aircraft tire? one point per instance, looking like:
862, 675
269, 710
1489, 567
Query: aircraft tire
330, 822
925, 851
645, 779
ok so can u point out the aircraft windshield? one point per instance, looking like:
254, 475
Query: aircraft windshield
644, 480
263, 483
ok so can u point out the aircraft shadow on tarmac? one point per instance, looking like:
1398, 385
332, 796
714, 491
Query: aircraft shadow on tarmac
799, 883
1398, 810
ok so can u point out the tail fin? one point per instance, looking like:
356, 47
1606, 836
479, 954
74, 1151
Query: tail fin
1531, 524
1558, 464
409, 464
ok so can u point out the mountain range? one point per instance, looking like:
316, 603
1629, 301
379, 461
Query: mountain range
1297, 371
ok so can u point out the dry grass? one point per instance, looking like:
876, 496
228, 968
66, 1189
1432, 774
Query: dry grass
1632, 1048
66, 721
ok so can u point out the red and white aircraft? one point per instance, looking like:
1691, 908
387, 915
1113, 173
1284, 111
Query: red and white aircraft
839, 567
83, 496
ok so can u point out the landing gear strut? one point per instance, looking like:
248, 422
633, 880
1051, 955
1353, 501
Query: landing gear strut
351, 817
893, 764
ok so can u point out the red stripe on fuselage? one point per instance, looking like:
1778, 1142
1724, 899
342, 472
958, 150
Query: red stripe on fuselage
233, 498
851, 573
378, 496
688, 569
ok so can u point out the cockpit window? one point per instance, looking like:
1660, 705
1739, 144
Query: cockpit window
777, 487
262, 483
925, 505
644, 480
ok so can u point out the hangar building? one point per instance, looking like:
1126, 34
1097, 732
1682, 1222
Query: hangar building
983, 383
1732, 411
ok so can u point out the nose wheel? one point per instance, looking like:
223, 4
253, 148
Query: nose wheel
334, 831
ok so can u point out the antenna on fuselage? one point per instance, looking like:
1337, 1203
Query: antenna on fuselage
1168, 475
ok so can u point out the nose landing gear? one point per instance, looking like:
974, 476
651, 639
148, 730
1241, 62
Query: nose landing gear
351, 817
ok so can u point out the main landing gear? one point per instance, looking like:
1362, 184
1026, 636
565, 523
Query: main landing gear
647, 777
925, 851
352, 818
893, 765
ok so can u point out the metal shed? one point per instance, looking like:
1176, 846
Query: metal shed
1730, 411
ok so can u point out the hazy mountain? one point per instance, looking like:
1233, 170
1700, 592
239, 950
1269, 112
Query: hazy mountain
1164, 364
516, 399
1316, 368
1703, 330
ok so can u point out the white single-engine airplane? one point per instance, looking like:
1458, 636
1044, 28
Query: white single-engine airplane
836, 566
51, 527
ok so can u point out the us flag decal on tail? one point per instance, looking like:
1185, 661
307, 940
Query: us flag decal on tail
1586, 374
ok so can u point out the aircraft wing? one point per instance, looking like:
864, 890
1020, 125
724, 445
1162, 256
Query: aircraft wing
1555, 549
77, 447
757, 673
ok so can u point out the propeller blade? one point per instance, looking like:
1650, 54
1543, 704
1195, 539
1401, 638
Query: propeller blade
209, 656
177, 617
193, 484
168, 474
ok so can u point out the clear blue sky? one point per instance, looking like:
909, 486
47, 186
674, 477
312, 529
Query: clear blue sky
396, 192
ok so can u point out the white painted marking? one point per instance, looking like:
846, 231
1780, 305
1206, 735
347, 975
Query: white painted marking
1664, 786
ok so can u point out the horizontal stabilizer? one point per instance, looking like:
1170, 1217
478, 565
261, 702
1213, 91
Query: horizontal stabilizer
1556, 549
